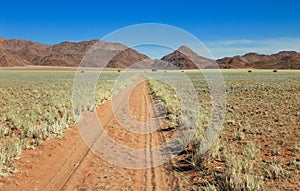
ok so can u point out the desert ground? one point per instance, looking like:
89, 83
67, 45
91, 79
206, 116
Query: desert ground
42, 147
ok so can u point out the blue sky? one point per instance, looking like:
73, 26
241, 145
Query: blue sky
225, 27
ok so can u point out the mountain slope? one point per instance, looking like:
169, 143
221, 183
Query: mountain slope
21, 53
126, 58
18, 52
8, 59
185, 58
281, 60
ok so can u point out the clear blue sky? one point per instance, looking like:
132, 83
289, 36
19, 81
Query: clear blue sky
226, 27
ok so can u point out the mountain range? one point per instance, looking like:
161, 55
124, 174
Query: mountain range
16, 52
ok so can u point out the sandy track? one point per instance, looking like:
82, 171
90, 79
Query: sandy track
45, 167
67, 163
97, 174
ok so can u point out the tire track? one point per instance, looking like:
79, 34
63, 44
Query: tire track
174, 181
78, 164
66, 176
155, 178
158, 173
74, 167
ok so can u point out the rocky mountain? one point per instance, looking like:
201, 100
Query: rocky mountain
8, 60
17, 52
281, 60
126, 58
185, 58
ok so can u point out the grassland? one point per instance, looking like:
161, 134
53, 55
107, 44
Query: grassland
258, 148
37, 105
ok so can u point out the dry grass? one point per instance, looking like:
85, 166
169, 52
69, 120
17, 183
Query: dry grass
259, 144
38, 105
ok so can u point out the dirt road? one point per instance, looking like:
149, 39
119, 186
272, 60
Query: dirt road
68, 164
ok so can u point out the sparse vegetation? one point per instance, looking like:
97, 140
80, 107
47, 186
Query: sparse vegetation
261, 126
258, 148
38, 105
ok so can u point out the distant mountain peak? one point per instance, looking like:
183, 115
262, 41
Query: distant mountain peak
186, 58
184, 47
